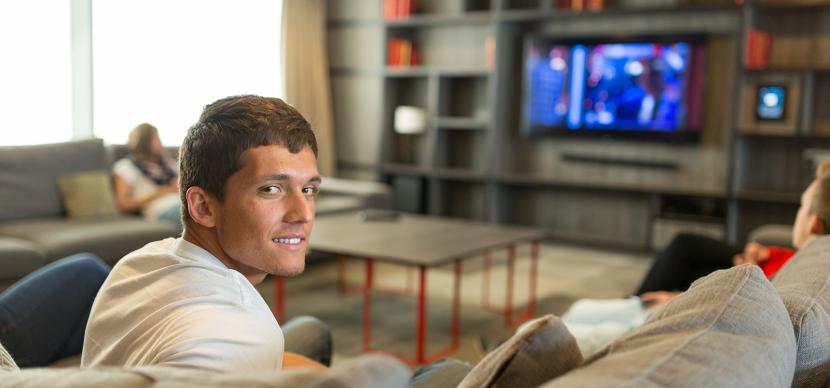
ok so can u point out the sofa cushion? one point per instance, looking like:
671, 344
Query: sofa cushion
364, 371
87, 194
804, 286
6, 360
542, 350
29, 175
730, 329
19, 257
108, 238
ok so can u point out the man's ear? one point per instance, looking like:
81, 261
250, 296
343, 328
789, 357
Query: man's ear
200, 205
816, 226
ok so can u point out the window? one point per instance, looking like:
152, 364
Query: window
35, 72
161, 61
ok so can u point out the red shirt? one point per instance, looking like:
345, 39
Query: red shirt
778, 256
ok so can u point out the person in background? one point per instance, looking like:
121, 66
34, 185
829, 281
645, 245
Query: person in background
146, 181
689, 257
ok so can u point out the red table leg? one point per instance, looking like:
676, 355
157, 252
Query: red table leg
512, 318
279, 298
421, 336
511, 261
367, 306
421, 357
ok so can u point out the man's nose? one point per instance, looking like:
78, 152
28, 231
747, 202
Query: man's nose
300, 208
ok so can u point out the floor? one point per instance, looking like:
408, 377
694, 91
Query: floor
566, 273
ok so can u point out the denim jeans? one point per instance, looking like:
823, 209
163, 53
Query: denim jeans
43, 315
310, 337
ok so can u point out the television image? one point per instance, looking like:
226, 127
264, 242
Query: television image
626, 88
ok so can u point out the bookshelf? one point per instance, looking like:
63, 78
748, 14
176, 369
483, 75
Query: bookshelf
775, 161
472, 161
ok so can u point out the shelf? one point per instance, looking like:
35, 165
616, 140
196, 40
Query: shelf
461, 123
424, 71
789, 4
530, 15
475, 17
769, 196
458, 174
404, 169
533, 180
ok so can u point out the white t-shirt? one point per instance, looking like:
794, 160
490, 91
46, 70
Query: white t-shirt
173, 303
143, 186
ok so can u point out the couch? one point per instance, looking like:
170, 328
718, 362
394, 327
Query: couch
732, 328
36, 227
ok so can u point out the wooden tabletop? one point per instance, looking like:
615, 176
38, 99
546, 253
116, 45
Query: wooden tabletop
413, 239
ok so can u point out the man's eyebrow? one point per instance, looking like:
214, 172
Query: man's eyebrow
285, 177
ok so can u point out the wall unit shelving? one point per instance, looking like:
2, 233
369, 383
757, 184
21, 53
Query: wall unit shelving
472, 160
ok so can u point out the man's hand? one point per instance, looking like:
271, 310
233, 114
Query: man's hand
657, 298
293, 360
754, 253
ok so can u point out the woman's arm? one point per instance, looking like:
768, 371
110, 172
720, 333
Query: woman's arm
129, 204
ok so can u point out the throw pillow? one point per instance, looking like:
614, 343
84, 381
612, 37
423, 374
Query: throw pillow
542, 350
804, 286
87, 194
6, 360
730, 329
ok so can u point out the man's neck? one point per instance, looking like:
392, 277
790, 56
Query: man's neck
206, 239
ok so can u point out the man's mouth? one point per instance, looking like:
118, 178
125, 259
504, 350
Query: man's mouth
288, 240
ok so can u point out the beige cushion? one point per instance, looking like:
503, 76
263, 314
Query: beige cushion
365, 371
804, 286
729, 330
542, 350
87, 194
6, 361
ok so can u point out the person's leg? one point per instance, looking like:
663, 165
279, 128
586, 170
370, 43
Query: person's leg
310, 337
687, 258
43, 316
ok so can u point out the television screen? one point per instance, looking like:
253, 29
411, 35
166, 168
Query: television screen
633, 87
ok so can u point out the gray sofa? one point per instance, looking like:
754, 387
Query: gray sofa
733, 328
35, 230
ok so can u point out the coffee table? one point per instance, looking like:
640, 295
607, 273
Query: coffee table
423, 242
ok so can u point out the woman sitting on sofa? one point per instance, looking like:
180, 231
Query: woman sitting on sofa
146, 181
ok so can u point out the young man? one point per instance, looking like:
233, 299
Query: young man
812, 219
249, 177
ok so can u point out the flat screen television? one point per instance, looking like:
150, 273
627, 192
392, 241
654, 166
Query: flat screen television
636, 87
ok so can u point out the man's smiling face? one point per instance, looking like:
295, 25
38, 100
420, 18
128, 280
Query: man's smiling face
264, 222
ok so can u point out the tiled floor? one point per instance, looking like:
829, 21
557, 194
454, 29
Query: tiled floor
565, 274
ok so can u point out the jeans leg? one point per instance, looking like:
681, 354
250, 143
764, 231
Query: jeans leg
310, 337
684, 260
43, 315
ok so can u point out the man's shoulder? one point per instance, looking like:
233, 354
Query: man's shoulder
158, 266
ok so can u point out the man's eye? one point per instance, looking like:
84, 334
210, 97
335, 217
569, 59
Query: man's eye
270, 189
310, 190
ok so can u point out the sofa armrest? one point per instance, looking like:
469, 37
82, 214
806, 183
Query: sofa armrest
373, 194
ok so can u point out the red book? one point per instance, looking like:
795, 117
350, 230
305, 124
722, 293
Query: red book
758, 47
390, 9
405, 8
392, 52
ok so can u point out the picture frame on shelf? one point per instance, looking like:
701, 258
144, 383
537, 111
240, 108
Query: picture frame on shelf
770, 104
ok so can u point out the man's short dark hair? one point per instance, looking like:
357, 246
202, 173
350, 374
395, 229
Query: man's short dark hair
213, 147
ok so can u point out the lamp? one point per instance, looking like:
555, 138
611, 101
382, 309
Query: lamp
410, 120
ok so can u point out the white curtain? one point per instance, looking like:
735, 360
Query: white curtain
307, 85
